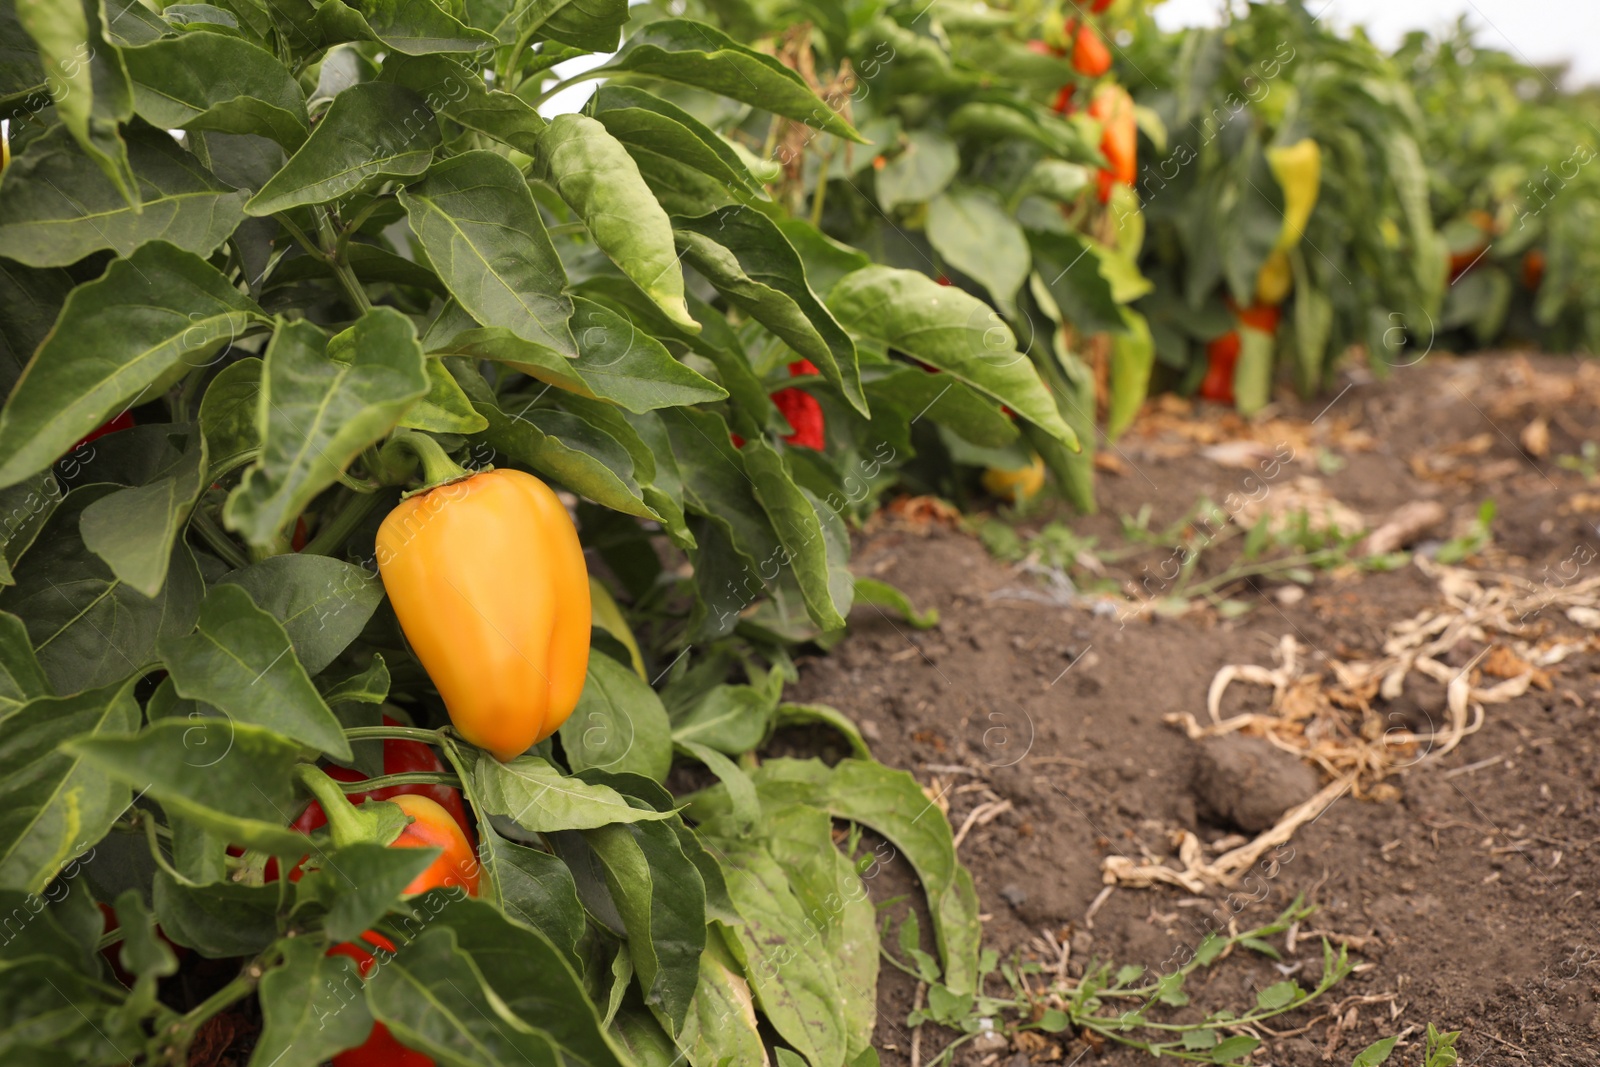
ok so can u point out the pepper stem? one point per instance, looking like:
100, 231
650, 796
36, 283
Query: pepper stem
346, 825
437, 467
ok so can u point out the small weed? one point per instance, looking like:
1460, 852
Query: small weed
1586, 463
1475, 540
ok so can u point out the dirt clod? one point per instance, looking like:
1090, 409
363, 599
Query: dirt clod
1245, 783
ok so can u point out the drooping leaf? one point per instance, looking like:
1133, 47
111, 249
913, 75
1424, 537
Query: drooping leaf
371, 131
597, 178
946, 328
413, 27
661, 135
21, 678
748, 259
538, 797
433, 998
306, 1005
210, 81
87, 80
322, 401
134, 529
119, 340
662, 901
477, 221
445, 408
88, 627
800, 531
975, 235
731, 718
239, 660
55, 806
461, 96
228, 416
220, 920
619, 724
26, 507
55, 208
919, 173
693, 53
232, 778
721, 1026
532, 887
322, 602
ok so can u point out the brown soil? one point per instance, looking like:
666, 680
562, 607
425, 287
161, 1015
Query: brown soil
1468, 884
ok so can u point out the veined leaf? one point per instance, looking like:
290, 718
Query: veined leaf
209, 81
692, 53
304, 1005
228, 416
52, 807
87, 81
133, 529
799, 529
459, 95
88, 627
748, 259
322, 602
232, 778
943, 326
120, 339
414, 27
240, 661
323, 401
975, 235
619, 724
55, 209
371, 131
597, 178
477, 221
537, 797
21, 678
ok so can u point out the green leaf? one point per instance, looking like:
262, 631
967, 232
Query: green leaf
619, 362
537, 797
414, 27
323, 401
619, 724
360, 882
210, 81
530, 976
477, 221
134, 529
1279, 995
55, 209
799, 527
445, 409
143, 953
974, 233
27, 506
748, 259
232, 778
460, 95
581, 457
744, 802
219, 920
1072, 272
1133, 357
1375, 1053
1234, 1049
721, 1026
662, 135
371, 131
692, 53
119, 340
228, 416
919, 173
52, 806
593, 25
21, 679
433, 998
732, 719
322, 602
597, 178
532, 887
82, 1020
944, 327
782, 957
239, 659
306, 1006
88, 627
892, 803
790, 714
663, 906
882, 594
87, 80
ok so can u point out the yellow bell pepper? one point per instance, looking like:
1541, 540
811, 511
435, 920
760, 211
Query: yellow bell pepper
488, 580
1298, 168
1015, 486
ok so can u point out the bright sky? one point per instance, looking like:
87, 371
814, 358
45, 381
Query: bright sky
1537, 31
